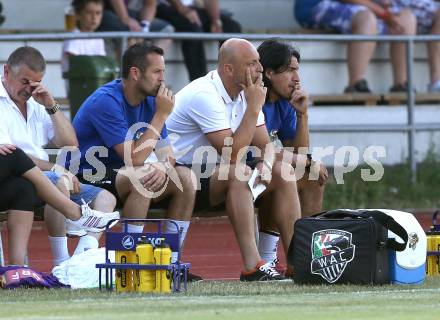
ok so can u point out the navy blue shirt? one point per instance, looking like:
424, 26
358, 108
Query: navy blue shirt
280, 118
107, 119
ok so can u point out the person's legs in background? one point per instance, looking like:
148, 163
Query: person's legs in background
407, 21
193, 50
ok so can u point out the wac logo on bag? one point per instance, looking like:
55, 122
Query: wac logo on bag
332, 250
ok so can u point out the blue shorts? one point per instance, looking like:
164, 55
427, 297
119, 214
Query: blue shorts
424, 10
88, 193
336, 16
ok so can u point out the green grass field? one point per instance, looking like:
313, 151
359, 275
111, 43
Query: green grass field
231, 300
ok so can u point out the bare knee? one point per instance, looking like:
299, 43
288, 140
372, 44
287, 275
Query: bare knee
364, 22
104, 201
408, 21
187, 179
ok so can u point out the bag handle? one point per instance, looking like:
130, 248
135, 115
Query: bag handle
385, 220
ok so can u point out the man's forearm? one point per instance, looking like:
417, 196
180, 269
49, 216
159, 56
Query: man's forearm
148, 11
212, 8
302, 132
142, 148
43, 165
64, 134
242, 137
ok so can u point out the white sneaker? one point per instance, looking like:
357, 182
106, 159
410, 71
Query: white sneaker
91, 220
434, 87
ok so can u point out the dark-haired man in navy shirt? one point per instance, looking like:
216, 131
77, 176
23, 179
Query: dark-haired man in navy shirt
285, 113
124, 145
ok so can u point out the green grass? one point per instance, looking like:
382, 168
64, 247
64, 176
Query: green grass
231, 300
394, 190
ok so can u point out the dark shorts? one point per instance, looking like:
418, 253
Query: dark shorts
107, 183
202, 202
202, 195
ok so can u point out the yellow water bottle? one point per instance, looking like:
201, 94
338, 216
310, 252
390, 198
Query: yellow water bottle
124, 277
145, 279
162, 256
432, 263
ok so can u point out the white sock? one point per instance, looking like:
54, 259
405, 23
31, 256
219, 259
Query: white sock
85, 243
134, 228
183, 229
268, 245
60, 252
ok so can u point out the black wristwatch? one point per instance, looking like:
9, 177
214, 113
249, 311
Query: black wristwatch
310, 159
55, 108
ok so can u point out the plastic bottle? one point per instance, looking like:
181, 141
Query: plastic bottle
432, 263
145, 279
124, 277
69, 18
162, 256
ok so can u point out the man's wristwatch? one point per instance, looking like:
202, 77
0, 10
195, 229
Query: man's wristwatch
54, 109
309, 160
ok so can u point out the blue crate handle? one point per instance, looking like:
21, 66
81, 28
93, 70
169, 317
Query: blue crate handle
435, 225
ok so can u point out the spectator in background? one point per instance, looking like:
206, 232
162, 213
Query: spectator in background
189, 16
362, 17
427, 13
135, 16
23, 186
2, 17
286, 116
88, 15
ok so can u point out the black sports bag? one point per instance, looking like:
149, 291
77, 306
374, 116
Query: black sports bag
344, 246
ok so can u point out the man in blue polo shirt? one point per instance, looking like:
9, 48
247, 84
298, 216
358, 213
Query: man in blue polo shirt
123, 141
285, 113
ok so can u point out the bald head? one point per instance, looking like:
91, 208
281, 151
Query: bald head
237, 58
233, 48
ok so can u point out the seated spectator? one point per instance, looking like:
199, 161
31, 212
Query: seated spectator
286, 116
427, 13
135, 16
126, 118
217, 118
88, 14
2, 17
186, 17
23, 186
30, 119
364, 17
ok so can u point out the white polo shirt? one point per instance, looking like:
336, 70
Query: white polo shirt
31, 135
202, 107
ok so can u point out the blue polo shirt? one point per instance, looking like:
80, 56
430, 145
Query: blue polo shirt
106, 119
303, 11
280, 117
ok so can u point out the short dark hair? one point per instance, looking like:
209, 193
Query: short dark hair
276, 55
28, 56
79, 5
135, 56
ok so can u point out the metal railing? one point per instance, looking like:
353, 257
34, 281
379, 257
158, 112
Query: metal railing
410, 128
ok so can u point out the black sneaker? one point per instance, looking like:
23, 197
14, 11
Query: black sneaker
265, 272
191, 277
401, 87
359, 87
